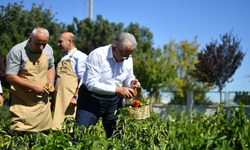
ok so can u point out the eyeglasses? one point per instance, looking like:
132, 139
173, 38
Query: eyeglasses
123, 57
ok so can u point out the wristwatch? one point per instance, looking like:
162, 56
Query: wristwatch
75, 97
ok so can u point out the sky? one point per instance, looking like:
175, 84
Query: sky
169, 19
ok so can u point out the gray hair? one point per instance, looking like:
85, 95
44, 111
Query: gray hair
41, 30
72, 38
122, 39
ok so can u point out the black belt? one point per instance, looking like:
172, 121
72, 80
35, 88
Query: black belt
104, 96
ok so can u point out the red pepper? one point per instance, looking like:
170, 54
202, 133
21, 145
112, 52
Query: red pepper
136, 103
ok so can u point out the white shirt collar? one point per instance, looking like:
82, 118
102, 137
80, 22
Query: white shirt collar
71, 51
110, 53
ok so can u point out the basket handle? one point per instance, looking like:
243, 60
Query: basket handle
143, 98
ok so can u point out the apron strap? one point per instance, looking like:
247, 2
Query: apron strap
72, 53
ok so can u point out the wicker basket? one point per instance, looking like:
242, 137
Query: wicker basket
141, 112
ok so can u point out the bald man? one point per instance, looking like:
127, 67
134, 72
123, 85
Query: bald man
69, 72
29, 66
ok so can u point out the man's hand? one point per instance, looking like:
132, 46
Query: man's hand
51, 85
73, 102
125, 92
40, 89
34, 87
135, 84
1, 101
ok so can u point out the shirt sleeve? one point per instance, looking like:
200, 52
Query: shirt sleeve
50, 58
80, 66
13, 62
93, 74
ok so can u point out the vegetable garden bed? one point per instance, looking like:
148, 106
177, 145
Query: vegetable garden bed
179, 132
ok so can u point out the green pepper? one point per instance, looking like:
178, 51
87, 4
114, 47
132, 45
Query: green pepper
47, 86
130, 103
147, 101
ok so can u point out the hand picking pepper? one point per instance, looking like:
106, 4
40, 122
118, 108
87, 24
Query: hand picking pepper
47, 86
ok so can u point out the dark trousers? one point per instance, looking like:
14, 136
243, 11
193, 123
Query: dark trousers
91, 106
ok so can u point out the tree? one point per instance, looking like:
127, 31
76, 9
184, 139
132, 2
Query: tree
17, 24
243, 97
93, 34
151, 65
218, 62
182, 56
153, 72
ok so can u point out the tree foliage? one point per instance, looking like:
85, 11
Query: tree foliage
218, 62
154, 72
150, 65
16, 25
182, 57
243, 97
93, 34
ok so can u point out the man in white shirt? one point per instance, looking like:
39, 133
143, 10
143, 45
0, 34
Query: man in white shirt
101, 94
69, 72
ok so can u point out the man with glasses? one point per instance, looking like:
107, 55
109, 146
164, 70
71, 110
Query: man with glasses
101, 94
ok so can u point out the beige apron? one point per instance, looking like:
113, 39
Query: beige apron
66, 85
29, 111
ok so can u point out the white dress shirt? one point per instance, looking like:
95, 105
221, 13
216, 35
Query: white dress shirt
103, 73
77, 62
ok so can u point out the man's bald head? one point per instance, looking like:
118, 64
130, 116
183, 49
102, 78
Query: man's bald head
69, 36
66, 42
